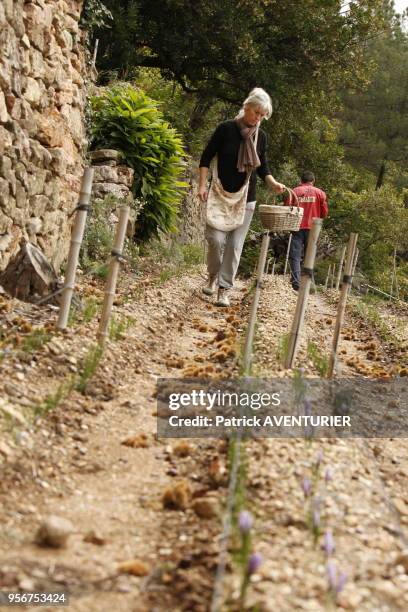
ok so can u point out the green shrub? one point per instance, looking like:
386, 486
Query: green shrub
98, 239
126, 119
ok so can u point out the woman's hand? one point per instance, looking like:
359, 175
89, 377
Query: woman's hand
202, 184
278, 187
203, 194
274, 185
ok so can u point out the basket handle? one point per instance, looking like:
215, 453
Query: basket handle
292, 197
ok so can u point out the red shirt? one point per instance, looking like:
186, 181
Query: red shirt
313, 201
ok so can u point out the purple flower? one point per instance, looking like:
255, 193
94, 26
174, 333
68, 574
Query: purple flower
328, 476
254, 563
336, 583
328, 543
245, 521
307, 486
341, 582
331, 575
308, 407
319, 458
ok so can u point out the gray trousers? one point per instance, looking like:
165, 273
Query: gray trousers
224, 251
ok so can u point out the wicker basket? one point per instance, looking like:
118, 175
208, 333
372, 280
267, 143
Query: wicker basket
282, 218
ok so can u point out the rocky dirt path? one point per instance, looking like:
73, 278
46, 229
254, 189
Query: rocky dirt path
73, 463
363, 500
157, 503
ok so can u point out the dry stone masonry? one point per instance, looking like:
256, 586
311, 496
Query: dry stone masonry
42, 128
192, 212
110, 177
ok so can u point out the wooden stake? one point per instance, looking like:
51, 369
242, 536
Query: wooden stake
343, 253
287, 254
305, 282
356, 254
327, 277
254, 307
111, 281
75, 246
394, 280
95, 53
347, 279
333, 276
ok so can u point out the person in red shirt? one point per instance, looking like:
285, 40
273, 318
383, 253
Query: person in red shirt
314, 204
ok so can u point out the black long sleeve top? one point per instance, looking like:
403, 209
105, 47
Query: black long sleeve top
225, 143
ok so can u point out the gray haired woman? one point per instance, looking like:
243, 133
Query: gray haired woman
239, 146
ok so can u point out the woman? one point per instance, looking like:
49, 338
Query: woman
240, 147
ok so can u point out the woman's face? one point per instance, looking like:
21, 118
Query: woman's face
253, 115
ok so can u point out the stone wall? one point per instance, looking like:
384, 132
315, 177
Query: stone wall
192, 212
42, 131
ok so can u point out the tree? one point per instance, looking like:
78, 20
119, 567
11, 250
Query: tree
375, 121
217, 51
224, 48
381, 221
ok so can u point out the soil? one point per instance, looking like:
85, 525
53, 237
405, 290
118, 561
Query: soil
146, 512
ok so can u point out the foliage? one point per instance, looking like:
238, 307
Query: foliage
126, 119
374, 128
320, 361
95, 16
282, 348
35, 340
183, 110
221, 49
119, 326
52, 401
98, 239
175, 258
381, 221
88, 367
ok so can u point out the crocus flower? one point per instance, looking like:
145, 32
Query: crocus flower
306, 487
245, 521
328, 543
336, 583
341, 582
254, 563
328, 476
331, 575
308, 407
319, 458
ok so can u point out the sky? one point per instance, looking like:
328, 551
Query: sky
400, 5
